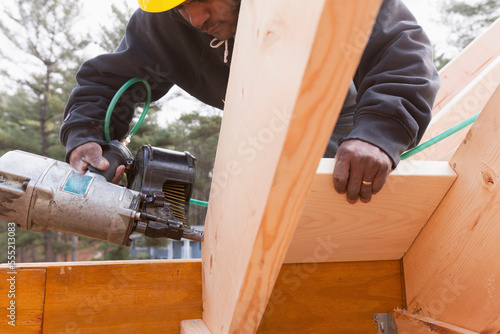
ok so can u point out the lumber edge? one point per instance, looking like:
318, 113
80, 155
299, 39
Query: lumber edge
44, 265
195, 326
414, 323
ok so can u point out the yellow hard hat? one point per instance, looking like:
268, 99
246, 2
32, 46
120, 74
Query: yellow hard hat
156, 6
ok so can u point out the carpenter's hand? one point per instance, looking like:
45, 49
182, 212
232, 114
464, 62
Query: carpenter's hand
91, 154
361, 170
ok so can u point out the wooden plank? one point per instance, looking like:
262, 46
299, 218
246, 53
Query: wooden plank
271, 141
332, 297
466, 104
121, 297
452, 270
196, 326
28, 294
330, 229
459, 72
413, 323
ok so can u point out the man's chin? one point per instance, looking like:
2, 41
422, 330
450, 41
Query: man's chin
224, 32
222, 36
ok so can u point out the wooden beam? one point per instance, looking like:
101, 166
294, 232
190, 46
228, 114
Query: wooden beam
286, 87
408, 323
26, 288
466, 104
325, 298
459, 72
196, 326
116, 297
330, 229
452, 270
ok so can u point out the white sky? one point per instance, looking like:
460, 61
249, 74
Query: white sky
98, 12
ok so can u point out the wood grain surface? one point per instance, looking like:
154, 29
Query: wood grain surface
28, 294
330, 229
288, 81
452, 270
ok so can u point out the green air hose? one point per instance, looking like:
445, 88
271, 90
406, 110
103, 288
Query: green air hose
132, 81
117, 97
440, 137
112, 106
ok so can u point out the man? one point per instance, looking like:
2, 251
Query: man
189, 43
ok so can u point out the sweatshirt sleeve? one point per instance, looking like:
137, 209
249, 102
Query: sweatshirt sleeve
397, 83
99, 79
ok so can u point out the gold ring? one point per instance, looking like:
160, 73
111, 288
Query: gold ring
367, 183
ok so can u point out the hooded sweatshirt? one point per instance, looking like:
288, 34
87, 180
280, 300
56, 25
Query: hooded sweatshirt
388, 105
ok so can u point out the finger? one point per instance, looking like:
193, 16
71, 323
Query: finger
95, 159
87, 154
365, 193
354, 185
118, 174
341, 174
380, 179
80, 166
75, 160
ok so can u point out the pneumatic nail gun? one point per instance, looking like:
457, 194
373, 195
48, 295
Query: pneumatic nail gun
39, 193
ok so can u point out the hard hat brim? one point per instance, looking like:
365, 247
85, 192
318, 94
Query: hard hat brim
157, 6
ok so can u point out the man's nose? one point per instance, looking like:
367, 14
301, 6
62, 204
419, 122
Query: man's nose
197, 15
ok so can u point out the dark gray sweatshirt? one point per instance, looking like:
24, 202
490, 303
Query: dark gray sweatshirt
391, 96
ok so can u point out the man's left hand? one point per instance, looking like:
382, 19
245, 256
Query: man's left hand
361, 170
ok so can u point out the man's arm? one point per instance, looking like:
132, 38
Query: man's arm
397, 83
161, 48
98, 80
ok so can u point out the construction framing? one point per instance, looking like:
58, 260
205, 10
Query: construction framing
283, 252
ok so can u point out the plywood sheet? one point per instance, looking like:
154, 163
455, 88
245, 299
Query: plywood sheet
121, 296
26, 288
325, 298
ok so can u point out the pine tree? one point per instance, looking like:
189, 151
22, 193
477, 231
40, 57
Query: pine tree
42, 31
111, 35
465, 21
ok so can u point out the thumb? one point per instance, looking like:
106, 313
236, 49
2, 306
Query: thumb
93, 156
99, 162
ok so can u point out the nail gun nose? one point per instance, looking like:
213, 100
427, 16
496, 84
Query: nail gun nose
163, 228
192, 234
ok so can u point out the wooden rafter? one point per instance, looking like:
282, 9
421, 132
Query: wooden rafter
452, 270
408, 323
468, 103
278, 132
330, 229
460, 71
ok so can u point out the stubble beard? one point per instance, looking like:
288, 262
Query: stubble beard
229, 25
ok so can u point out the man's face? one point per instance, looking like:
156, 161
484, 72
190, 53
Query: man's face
214, 17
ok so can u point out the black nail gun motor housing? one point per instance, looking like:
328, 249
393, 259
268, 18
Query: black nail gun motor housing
167, 178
